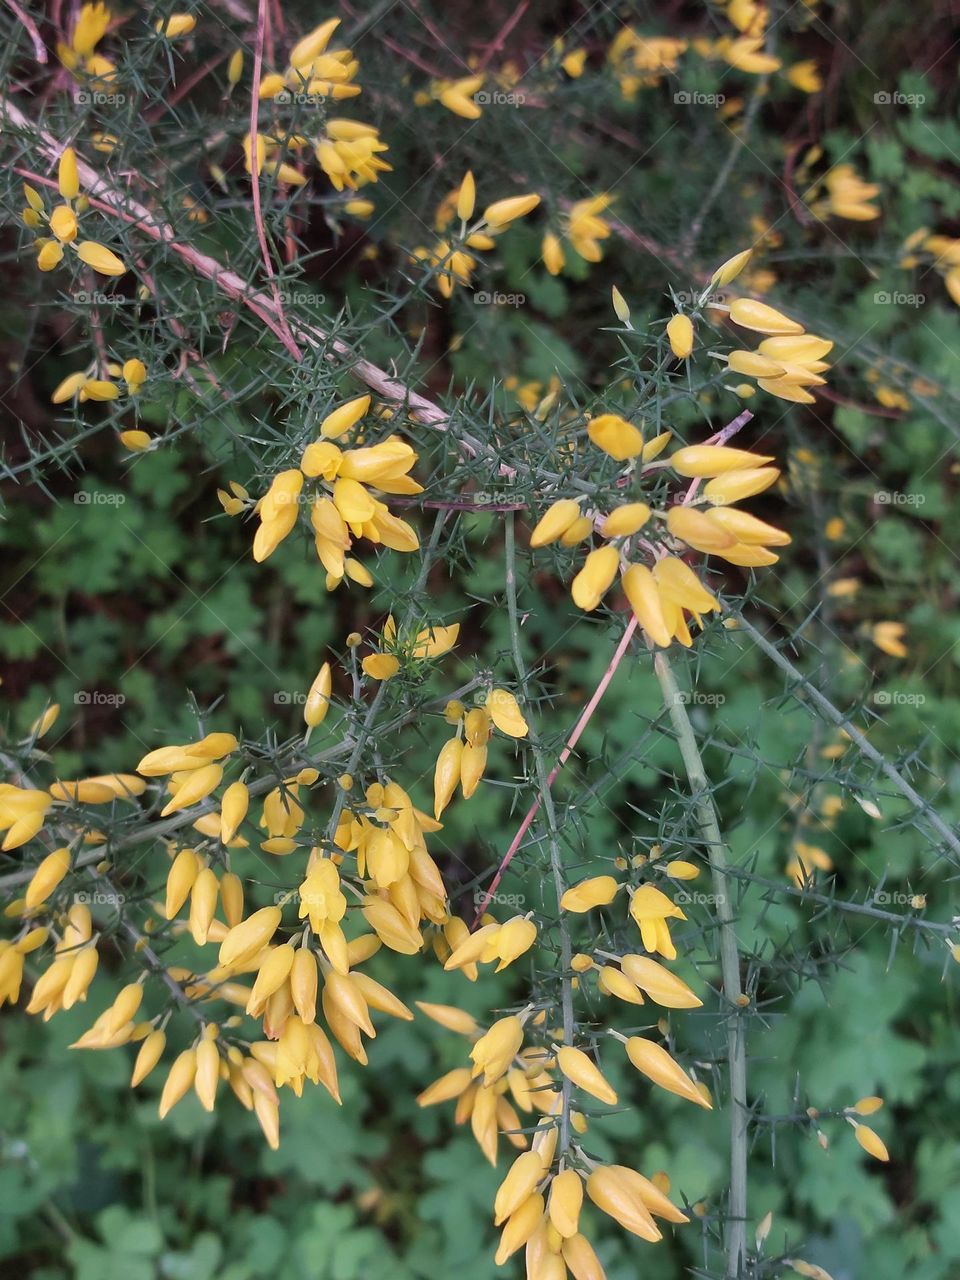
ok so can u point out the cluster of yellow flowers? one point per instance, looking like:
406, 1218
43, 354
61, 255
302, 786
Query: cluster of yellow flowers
450, 262
584, 228
79, 53
539, 1201
463, 759
62, 222
348, 151
643, 61
845, 195
336, 485
943, 252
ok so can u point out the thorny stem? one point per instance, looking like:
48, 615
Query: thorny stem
543, 782
706, 816
840, 721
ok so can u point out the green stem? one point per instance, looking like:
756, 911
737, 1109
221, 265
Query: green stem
706, 817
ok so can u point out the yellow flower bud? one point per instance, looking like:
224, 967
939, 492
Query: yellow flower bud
599, 891
584, 1073
757, 316
233, 810
151, 1051
318, 699
615, 436
503, 212
46, 877
680, 336
654, 1062
102, 259
594, 579
179, 1080
555, 521
714, 460
466, 197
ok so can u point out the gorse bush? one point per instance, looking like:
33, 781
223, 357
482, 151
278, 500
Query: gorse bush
553, 509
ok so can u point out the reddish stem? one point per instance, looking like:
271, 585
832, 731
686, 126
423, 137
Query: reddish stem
565, 754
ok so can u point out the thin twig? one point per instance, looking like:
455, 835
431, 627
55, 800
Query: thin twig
840, 721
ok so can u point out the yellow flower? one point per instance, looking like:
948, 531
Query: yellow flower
888, 636
598, 891
654, 1062
494, 1052
680, 336
592, 582
178, 24
340, 420
714, 460
552, 253
871, 1142
750, 314
585, 1074
505, 713
502, 212
102, 259
615, 436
